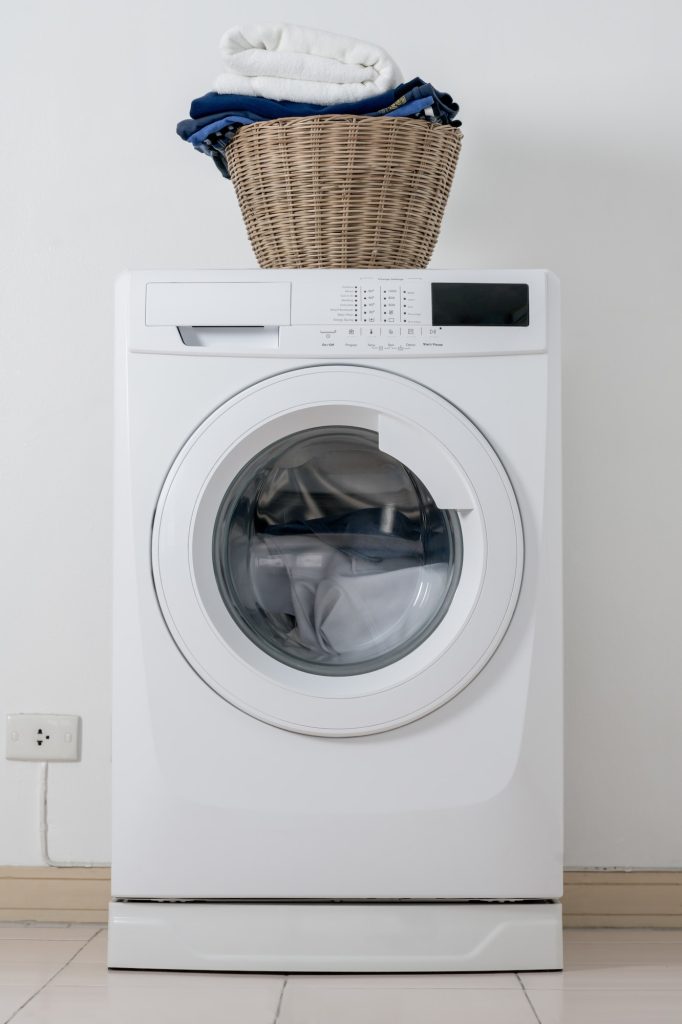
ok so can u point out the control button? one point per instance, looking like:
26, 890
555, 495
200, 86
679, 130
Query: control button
328, 338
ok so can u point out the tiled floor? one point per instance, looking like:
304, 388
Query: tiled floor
57, 974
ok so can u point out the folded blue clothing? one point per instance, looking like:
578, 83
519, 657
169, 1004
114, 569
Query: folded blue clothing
215, 117
221, 103
444, 110
192, 126
197, 131
411, 108
202, 134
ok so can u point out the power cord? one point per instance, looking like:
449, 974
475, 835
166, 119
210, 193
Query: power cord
47, 860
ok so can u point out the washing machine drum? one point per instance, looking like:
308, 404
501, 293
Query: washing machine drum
337, 551
332, 555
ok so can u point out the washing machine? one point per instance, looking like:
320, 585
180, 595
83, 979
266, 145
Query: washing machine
337, 678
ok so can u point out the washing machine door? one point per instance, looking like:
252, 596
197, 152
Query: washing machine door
337, 551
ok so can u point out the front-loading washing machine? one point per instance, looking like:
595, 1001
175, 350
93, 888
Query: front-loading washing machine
337, 621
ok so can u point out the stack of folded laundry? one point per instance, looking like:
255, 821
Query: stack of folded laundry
276, 71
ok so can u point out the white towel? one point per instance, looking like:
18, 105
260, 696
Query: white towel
292, 62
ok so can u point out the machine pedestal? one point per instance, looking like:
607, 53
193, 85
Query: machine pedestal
335, 937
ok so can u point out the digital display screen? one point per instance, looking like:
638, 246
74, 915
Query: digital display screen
479, 305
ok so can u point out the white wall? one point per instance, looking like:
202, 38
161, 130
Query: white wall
571, 160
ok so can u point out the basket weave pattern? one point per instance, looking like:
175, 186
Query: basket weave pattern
343, 191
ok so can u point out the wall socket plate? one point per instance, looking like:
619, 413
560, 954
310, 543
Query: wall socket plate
43, 738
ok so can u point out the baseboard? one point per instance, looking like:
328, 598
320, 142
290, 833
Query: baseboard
592, 899
623, 899
54, 894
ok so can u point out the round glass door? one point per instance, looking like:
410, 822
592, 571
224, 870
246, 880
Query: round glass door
332, 556
337, 550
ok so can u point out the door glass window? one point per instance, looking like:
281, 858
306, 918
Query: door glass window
332, 556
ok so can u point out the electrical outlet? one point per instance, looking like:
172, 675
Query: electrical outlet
43, 738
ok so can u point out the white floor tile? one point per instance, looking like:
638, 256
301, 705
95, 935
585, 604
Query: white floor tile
34, 975
617, 978
97, 975
47, 932
627, 1007
12, 997
328, 1003
94, 951
40, 951
256, 1004
613, 976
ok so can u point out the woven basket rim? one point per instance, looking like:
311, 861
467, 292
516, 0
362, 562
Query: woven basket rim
353, 118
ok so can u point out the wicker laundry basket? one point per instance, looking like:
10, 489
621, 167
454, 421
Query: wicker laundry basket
343, 191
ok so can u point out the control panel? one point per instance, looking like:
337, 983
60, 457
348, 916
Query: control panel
344, 314
368, 300
384, 315
365, 339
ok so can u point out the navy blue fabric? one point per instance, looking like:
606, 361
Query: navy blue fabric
370, 541
218, 104
192, 126
410, 108
215, 117
200, 136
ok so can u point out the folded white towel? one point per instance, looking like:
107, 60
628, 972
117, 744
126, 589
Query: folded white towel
292, 62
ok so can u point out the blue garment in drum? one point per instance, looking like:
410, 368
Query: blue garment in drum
375, 534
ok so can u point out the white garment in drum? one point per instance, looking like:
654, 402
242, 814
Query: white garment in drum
340, 603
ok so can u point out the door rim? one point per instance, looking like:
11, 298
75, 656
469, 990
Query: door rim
218, 650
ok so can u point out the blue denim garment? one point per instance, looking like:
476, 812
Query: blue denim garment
215, 126
216, 117
411, 108
216, 103
199, 130
221, 103
191, 125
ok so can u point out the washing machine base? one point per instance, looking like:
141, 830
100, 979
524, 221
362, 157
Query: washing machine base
334, 937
